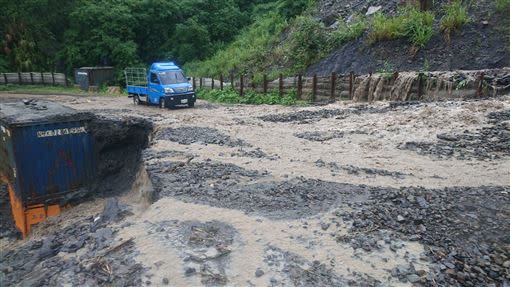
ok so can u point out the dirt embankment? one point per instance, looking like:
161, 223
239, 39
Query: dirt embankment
483, 43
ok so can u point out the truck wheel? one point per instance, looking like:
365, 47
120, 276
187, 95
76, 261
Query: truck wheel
162, 103
191, 104
136, 100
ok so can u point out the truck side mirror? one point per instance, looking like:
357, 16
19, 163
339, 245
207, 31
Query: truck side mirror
189, 79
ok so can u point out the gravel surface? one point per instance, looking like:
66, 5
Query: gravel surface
490, 142
465, 230
355, 170
298, 271
200, 135
230, 186
320, 136
232, 197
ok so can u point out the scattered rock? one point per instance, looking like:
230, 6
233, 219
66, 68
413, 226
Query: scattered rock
259, 273
372, 10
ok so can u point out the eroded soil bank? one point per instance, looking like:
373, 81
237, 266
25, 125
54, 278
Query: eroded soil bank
342, 195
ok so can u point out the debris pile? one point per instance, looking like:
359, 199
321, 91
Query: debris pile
84, 253
204, 247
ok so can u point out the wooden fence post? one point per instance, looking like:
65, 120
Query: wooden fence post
42, 78
265, 84
221, 82
253, 86
201, 82
314, 88
479, 91
53, 78
232, 83
19, 78
300, 86
333, 86
351, 84
31, 78
66, 83
420, 86
5, 78
212, 83
280, 85
194, 83
241, 88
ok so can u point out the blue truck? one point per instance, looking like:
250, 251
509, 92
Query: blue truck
164, 85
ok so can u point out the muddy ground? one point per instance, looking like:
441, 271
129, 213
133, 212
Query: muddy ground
339, 195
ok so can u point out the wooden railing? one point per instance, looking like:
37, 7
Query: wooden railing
403, 86
34, 78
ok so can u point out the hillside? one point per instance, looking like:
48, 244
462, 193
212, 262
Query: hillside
339, 36
483, 42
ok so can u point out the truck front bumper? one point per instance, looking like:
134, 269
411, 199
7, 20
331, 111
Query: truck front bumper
173, 100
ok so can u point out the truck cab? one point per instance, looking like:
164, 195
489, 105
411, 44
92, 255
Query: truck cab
164, 85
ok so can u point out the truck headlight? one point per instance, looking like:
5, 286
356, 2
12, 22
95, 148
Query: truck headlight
169, 90
190, 89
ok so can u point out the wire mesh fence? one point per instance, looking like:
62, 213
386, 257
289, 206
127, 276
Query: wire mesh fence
136, 76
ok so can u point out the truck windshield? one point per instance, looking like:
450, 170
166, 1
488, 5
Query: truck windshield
172, 77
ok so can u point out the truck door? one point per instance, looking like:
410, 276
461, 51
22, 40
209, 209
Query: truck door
155, 88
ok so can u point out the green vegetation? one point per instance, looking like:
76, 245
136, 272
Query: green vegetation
387, 70
455, 16
50, 90
248, 49
53, 35
306, 44
261, 50
410, 23
503, 6
230, 96
349, 31
259, 47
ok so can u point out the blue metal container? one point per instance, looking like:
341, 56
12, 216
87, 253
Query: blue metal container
46, 151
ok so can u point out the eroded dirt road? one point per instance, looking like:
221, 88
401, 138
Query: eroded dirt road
339, 195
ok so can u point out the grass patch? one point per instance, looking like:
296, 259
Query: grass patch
410, 23
48, 90
503, 6
230, 96
347, 32
455, 16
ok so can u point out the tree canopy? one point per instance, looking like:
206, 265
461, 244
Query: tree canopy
56, 35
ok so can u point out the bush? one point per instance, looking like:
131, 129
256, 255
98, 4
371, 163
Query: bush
292, 8
386, 28
230, 96
503, 5
455, 15
307, 42
348, 31
410, 23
